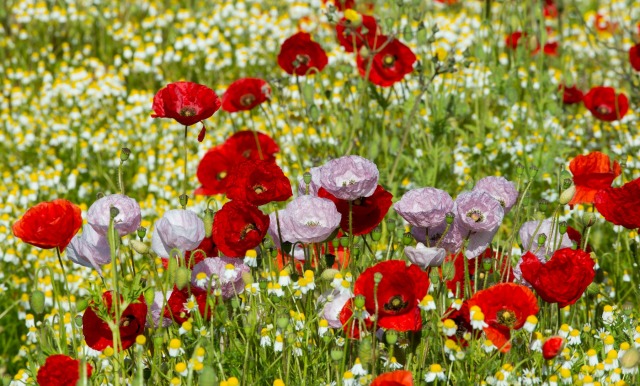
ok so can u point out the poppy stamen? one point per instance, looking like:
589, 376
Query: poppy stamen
389, 60
247, 99
395, 304
187, 111
259, 189
475, 215
507, 318
248, 228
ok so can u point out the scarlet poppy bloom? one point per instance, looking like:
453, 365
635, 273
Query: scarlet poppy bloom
60, 370
352, 37
563, 278
620, 206
176, 308
259, 183
298, 54
186, 102
394, 378
238, 227
605, 105
352, 325
505, 271
213, 170
398, 294
49, 224
552, 347
634, 57
367, 212
571, 95
245, 94
96, 331
511, 41
591, 173
506, 307
549, 9
391, 61
244, 144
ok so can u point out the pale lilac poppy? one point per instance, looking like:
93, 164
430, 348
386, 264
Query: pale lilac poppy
349, 177
530, 232
451, 241
298, 252
477, 211
335, 301
424, 256
424, 207
89, 249
127, 221
499, 188
178, 228
309, 219
314, 185
228, 271
157, 310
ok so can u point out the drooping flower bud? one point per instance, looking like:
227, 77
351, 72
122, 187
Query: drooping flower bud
36, 301
208, 222
183, 276
124, 154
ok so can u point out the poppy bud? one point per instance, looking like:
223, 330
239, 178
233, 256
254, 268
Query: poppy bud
593, 289
448, 271
235, 302
172, 267
328, 274
434, 276
208, 222
589, 218
282, 322
377, 277
449, 217
567, 195
183, 276
542, 205
552, 347
533, 171
149, 295
36, 301
314, 112
630, 359
359, 301
519, 169
142, 231
376, 234
82, 304
184, 199
407, 238
329, 259
391, 337
78, 320
139, 246
247, 278
124, 154
336, 355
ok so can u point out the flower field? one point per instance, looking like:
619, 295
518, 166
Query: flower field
323, 192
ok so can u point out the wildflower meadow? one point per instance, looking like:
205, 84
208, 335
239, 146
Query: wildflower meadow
320, 192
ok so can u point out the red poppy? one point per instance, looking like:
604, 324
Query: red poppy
367, 212
549, 9
96, 331
177, 310
341, 255
394, 378
605, 105
591, 173
571, 95
511, 41
459, 260
186, 102
620, 206
575, 236
391, 61
634, 57
245, 94
60, 370
352, 38
350, 324
463, 323
238, 227
244, 144
552, 347
298, 54
398, 294
563, 278
213, 170
259, 183
506, 307
603, 24
49, 224
550, 48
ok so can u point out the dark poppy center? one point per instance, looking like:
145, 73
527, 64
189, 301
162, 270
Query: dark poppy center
259, 189
247, 99
507, 318
220, 176
246, 153
604, 109
247, 228
389, 60
301, 60
475, 215
187, 111
358, 201
395, 304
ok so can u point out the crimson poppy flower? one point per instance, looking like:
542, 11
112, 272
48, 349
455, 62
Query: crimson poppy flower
350, 324
620, 206
462, 320
394, 378
459, 260
552, 347
605, 105
178, 302
512, 40
352, 37
550, 48
245, 94
244, 144
96, 331
506, 307
634, 57
238, 227
571, 95
49, 224
391, 61
259, 183
367, 212
563, 278
398, 294
591, 173
186, 102
298, 54
60, 370
549, 9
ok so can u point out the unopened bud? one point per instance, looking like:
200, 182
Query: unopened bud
247, 278
82, 304
149, 296
566, 183
139, 246
630, 359
207, 377
593, 289
172, 268
336, 355
434, 277
208, 222
364, 52
328, 274
36, 301
356, 251
183, 276
448, 271
589, 219
124, 154
567, 195
235, 302
282, 322
365, 351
